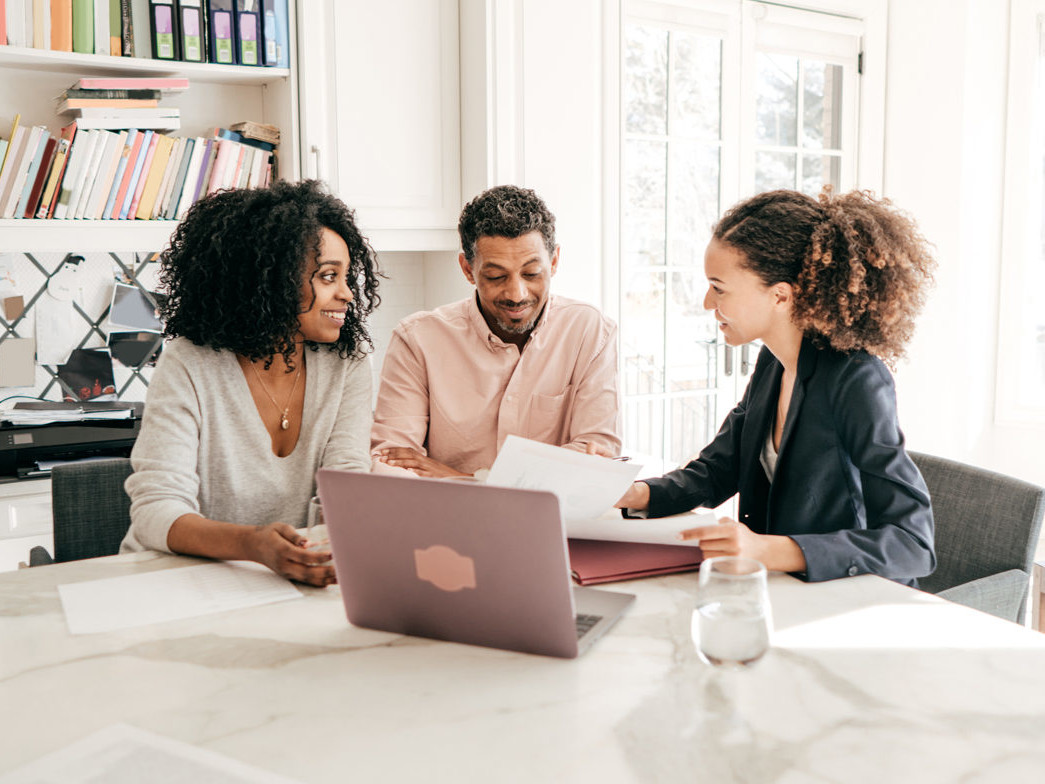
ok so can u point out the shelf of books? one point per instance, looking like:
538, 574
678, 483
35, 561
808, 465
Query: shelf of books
100, 65
113, 164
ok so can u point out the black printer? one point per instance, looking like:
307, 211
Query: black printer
76, 435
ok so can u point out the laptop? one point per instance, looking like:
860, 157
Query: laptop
460, 561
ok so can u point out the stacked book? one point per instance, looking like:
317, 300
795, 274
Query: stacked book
122, 103
98, 173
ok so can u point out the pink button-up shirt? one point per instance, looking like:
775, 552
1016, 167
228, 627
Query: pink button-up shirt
453, 390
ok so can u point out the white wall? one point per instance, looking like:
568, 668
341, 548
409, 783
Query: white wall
944, 159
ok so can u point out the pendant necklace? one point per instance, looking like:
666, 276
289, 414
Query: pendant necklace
284, 423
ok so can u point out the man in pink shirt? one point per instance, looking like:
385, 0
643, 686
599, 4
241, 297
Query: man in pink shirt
510, 360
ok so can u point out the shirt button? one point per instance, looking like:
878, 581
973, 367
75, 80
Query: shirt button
852, 571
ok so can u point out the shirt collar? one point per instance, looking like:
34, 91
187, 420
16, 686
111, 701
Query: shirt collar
482, 329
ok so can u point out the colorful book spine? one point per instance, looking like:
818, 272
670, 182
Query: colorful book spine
136, 175
62, 25
49, 200
144, 177
121, 168
40, 180
83, 26
44, 146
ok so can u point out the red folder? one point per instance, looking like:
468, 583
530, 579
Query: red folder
593, 562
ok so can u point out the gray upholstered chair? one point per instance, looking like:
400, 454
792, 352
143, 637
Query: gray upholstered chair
987, 527
90, 508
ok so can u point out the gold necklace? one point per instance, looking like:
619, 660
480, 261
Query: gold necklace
284, 423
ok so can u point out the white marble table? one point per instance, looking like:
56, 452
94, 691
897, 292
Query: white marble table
868, 681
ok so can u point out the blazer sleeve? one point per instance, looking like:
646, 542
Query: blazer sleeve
710, 479
897, 541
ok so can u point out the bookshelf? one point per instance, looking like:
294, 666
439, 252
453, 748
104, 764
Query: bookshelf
217, 96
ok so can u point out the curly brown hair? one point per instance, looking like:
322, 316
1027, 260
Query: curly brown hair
859, 267
505, 211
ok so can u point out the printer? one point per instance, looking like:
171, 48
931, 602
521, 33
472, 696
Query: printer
78, 430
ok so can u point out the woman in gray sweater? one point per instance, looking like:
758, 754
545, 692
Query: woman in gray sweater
265, 378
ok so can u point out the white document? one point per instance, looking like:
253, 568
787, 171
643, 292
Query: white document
121, 754
168, 595
611, 527
587, 485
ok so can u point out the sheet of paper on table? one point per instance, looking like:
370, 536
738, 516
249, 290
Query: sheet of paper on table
611, 527
172, 594
587, 485
120, 754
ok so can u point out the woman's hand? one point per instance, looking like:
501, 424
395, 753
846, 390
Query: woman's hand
284, 550
729, 537
636, 497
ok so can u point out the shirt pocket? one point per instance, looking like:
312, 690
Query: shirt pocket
550, 417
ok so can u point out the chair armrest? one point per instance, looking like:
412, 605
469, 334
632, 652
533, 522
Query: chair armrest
1003, 594
38, 556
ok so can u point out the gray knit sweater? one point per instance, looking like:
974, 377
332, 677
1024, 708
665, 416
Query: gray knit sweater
203, 448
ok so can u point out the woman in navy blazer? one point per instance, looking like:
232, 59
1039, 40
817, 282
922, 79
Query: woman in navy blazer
831, 287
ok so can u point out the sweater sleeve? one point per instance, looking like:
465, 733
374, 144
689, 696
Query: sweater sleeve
165, 483
349, 442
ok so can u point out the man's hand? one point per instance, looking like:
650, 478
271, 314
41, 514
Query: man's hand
283, 550
411, 459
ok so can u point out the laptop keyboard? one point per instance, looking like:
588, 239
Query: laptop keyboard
585, 622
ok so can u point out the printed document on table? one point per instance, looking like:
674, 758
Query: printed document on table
587, 485
611, 527
168, 595
121, 754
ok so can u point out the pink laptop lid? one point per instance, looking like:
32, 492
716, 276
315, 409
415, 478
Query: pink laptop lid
451, 560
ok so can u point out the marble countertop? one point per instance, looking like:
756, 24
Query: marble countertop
867, 681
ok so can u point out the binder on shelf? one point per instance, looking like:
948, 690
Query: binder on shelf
49, 200
42, 24
269, 34
62, 25
221, 38
40, 180
192, 30
115, 28
101, 27
83, 26
247, 32
164, 29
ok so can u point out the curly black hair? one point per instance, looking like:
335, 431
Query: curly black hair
859, 267
234, 268
505, 211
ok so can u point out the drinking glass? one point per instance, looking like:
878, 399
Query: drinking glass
732, 619
315, 525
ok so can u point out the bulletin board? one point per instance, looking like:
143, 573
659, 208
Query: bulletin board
57, 305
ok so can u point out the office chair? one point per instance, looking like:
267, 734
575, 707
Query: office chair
91, 510
987, 527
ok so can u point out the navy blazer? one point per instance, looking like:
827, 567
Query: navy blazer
844, 489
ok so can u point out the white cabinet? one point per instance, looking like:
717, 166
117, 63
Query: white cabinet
218, 95
25, 521
381, 115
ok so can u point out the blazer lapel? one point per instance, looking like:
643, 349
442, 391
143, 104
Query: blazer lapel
806, 365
